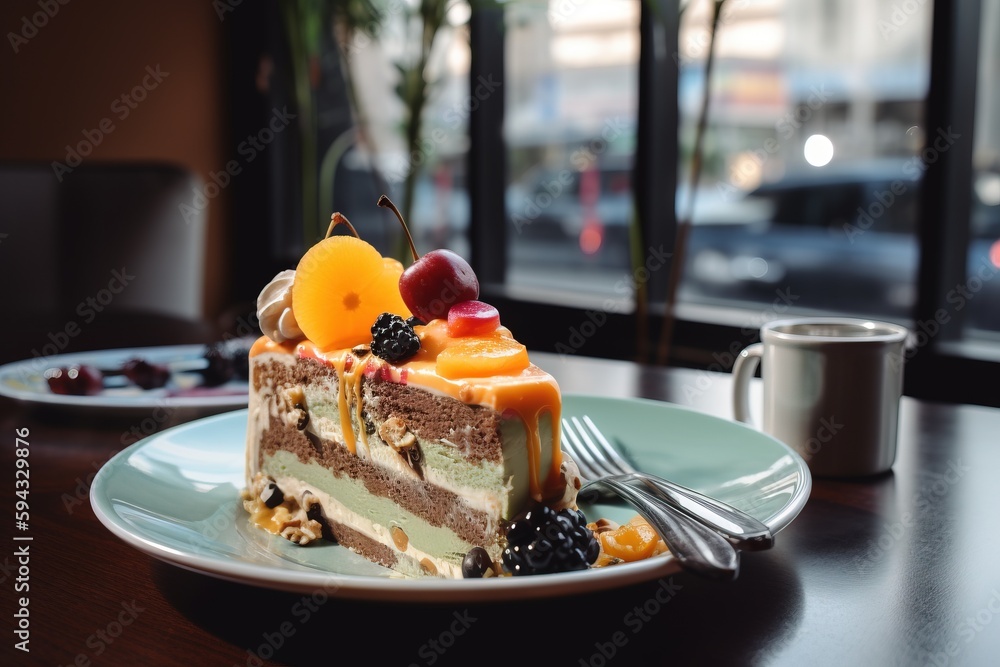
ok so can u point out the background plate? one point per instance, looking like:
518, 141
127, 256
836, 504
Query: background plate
24, 381
175, 496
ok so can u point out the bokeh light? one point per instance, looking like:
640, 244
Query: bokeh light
818, 150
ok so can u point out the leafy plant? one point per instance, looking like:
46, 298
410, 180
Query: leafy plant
422, 22
414, 86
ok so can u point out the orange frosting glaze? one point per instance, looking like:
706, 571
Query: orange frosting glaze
527, 394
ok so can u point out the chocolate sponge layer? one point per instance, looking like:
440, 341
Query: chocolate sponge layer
360, 543
473, 429
425, 414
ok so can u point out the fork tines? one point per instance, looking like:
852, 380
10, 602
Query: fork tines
594, 455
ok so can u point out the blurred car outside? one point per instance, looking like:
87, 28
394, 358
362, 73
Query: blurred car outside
842, 237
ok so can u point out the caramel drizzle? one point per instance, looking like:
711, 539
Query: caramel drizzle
345, 380
530, 403
350, 372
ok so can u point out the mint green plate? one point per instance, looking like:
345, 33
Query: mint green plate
175, 496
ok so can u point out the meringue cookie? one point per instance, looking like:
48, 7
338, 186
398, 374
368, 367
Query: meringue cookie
274, 309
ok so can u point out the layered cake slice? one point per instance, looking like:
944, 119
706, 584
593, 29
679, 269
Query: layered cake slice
390, 411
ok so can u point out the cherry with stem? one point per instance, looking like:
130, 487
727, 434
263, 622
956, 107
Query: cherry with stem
435, 281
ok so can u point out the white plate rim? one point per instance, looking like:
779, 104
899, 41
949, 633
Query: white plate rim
144, 401
418, 590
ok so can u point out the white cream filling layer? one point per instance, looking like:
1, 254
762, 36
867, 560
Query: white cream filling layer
336, 511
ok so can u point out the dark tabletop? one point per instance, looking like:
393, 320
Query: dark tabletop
896, 570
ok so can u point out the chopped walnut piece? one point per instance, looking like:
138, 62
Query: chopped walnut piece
294, 531
289, 519
395, 434
566, 496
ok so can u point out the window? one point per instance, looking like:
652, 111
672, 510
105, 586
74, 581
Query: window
810, 161
983, 286
569, 130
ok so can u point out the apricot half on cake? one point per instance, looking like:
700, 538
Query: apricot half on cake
342, 284
482, 357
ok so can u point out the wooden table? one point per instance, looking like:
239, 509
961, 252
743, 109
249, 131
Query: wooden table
898, 570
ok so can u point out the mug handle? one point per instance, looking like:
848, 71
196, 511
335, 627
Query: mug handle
743, 369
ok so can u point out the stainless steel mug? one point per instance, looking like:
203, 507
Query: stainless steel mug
831, 390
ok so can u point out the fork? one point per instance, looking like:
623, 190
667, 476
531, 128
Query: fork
594, 451
600, 459
696, 546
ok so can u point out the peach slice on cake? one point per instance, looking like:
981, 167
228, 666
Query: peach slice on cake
482, 357
342, 284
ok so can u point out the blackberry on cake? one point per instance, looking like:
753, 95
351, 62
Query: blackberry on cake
393, 339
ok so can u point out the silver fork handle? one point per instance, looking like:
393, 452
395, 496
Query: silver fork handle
740, 528
697, 547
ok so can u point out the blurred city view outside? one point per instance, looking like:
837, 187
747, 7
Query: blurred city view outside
812, 164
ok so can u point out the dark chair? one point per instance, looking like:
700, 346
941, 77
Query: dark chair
109, 255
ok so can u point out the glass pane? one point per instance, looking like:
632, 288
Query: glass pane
809, 192
572, 72
982, 291
425, 179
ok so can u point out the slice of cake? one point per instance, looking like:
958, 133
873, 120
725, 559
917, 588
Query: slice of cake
391, 412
